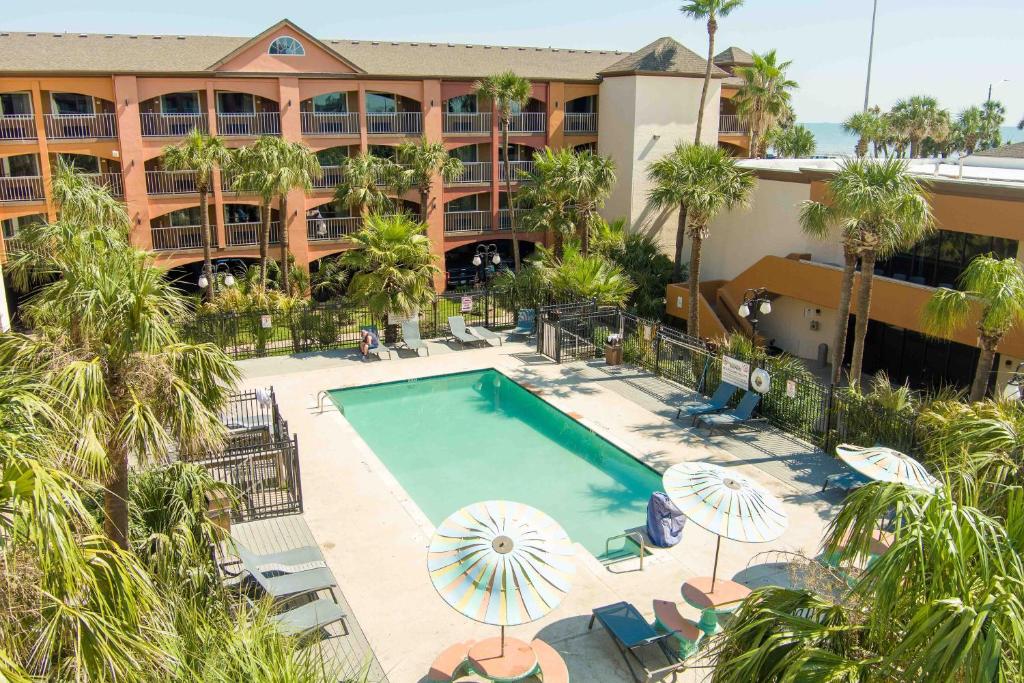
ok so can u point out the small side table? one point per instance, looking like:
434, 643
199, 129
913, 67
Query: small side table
722, 598
516, 663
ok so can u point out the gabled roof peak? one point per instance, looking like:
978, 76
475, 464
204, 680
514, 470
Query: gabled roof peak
665, 57
276, 28
734, 56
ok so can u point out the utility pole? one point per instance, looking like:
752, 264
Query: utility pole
871, 55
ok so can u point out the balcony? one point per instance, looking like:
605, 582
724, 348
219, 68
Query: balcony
248, 234
17, 127
112, 181
474, 173
518, 168
155, 125
394, 123
381, 174
528, 122
456, 222
330, 123
731, 124
80, 126
331, 178
580, 124
331, 229
170, 182
506, 218
227, 179
174, 238
249, 125
458, 124
21, 189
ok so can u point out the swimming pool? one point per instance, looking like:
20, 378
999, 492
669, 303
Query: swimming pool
458, 439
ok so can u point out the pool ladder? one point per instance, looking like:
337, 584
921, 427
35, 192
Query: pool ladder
634, 536
320, 402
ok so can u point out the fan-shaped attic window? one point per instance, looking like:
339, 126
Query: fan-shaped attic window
286, 45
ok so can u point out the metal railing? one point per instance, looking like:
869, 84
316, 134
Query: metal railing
330, 123
227, 179
17, 127
467, 123
12, 243
157, 125
731, 123
394, 123
467, 221
249, 125
330, 179
27, 188
474, 173
170, 182
112, 181
506, 219
72, 126
248, 234
580, 124
331, 229
528, 122
381, 174
171, 238
518, 168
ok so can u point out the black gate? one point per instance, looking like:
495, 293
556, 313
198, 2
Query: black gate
264, 473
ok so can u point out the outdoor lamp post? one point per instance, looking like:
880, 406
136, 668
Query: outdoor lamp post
485, 252
229, 279
755, 303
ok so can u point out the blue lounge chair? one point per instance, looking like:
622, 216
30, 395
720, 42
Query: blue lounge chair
847, 481
311, 617
526, 323
630, 632
718, 401
741, 414
287, 586
293, 557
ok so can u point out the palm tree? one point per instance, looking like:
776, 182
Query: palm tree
920, 117
710, 10
794, 142
997, 286
867, 126
391, 267
993, 115
507, 92
764, 97
419, 163
588, 276
702, 181
360, 188
878, 207
202, 154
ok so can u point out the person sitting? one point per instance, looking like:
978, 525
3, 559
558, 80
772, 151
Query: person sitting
367, 340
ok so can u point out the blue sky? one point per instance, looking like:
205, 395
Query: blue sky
950, 49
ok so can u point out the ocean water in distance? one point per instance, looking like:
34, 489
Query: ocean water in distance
830, 138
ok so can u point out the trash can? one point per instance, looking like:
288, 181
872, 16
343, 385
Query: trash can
613, 354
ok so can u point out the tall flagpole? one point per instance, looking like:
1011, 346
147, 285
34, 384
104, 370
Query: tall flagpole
871, 54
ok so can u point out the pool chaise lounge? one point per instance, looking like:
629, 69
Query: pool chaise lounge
411, 337
740, 415
630, 632
287, 586
309, 618
526, 323
461, 333
280, 561
718, 401
486, 334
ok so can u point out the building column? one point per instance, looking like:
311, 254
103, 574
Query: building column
291, 130
44, 152
217, 194
364, 142
556, 115
496, 183
133, 163
433, 130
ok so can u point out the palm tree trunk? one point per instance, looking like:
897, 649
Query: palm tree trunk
862, 147
508, 193
424, 204
282, 214
677, 270
843, 313
115, 499
712, 28
585, 232
860, 330
264, 239
979, 387
754, 142
207, 240
693, 317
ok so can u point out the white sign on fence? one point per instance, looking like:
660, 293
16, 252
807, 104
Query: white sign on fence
735, 372
467, 304
790, 388
266, 322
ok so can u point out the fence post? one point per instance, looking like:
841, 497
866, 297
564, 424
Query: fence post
558, 339
829, 415
487, 305
657, 353
434, 306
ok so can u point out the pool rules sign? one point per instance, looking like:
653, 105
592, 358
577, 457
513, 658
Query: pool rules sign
736, 372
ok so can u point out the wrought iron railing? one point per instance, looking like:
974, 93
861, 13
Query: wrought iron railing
467, 221
731, 123
456, 124
112, 181
331, 229
394, 123
248, 234
518, 169
170, 182
528, 122
73, 126
157, 125
21, 188
252, 124
474, 173
17, 127
330, 179
580, 124
330, 123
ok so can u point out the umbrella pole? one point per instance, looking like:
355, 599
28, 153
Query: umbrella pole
714, 572
502, 654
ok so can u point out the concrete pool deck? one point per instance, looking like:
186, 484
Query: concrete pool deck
374, 537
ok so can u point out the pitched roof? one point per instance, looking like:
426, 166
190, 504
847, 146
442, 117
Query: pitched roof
26, 53
734, 56
664, 57
276, 28
1012, 151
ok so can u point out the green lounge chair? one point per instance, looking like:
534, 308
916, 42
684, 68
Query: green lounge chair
457, 325
287, 586
741, 414
312, 616
307, 554
485, 334
411, 336
630, 632
718, 401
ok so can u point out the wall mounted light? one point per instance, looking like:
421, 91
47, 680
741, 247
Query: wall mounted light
126, 101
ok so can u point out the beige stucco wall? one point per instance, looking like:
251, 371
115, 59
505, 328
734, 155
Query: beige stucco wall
641, 119
789, 325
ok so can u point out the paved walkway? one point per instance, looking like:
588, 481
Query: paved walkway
374, 536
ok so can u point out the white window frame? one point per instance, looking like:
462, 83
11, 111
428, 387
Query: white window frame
302, 48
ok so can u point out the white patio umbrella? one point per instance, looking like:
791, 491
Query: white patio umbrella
501, 563
725, 503
885, 464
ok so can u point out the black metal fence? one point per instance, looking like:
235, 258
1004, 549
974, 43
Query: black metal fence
264, 473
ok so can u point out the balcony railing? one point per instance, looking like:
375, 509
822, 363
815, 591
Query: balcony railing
28, 188
249, 125
112, 181
248, 234
157, 125
331, 229
518, 168
381, 175
731, 123
77, 126
506, 218
467, 221
330, 179
527, 122
580, 124
227, 180
12, 243
394, 123
170, 182
467, 123
474, 173
17, 127
330, 123
172, 238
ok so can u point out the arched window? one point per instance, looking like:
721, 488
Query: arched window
286, 45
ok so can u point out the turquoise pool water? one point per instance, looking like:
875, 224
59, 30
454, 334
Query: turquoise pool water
458, 439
